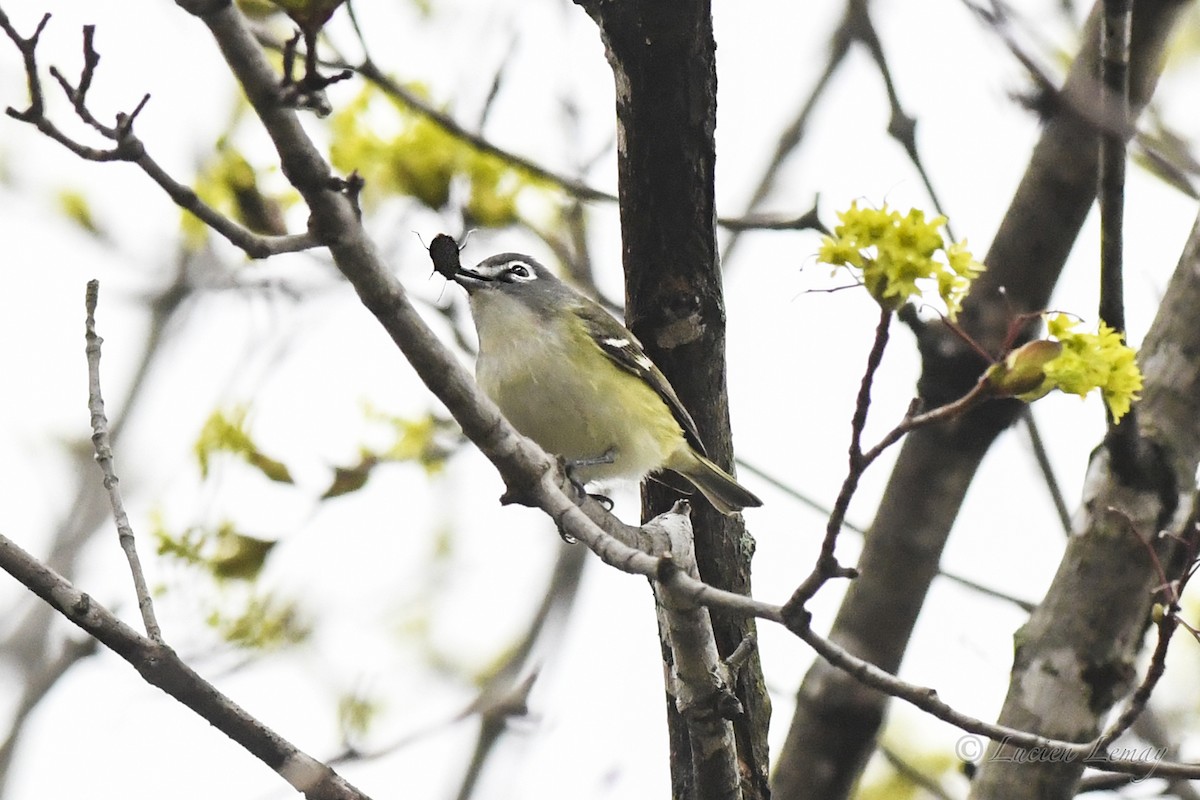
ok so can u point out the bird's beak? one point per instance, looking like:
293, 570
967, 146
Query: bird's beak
469, 279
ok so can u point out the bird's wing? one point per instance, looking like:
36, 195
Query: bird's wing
624, 350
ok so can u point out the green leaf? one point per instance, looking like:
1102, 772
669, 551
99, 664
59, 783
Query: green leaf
75, 206
230, 184
238, 556
226, 432
355, 715
223, 552
350, 479
423, 160
265, 623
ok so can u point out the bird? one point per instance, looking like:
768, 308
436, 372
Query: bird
572, 378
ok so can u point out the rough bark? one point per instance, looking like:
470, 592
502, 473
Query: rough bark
663, 60
1075, 657
833, 730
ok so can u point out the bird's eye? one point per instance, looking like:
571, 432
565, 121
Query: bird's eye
519, 271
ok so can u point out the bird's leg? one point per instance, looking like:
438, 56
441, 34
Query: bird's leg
571, 465
289, 63
607, 457
603, 499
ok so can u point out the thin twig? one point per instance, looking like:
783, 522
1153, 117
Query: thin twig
913, 774
794, 493
1115, 31
1046, 468
1169, 159
38, 685
793, 134
160, 666
927, 700
827, 566
1168, 621
128, 147
104, 457
901, 126
368, 70
826, 511
854, 26
28, 49
1141, 696
967, 583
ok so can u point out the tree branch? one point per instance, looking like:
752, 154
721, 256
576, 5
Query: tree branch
1114, 100
104, 457
161, 667
575, 187
127, 146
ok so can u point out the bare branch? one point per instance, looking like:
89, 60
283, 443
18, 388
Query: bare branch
128, 147
854, 26
914, 774
1167, 155
927, 700
573, 186
809, 220
827, 566
826, 511
28, 48
1046, 468
790, 139
104, 457
1167, 621
394, 89
37, 686
161, 667
902, 127
1167, 624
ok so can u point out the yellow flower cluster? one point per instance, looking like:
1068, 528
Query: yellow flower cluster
1076, 363
892, 253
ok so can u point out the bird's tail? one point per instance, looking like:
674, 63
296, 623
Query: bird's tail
717, 485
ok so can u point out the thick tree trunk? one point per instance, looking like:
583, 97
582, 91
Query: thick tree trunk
663, 58
1075, 657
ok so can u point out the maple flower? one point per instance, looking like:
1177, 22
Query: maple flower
897, 255
1076, 363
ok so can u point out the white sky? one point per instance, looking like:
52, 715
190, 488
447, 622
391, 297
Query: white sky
794, 364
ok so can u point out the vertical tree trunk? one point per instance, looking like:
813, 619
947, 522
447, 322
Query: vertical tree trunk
1075, 657
662, 53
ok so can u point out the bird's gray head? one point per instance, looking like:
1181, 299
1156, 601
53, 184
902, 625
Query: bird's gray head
514, 276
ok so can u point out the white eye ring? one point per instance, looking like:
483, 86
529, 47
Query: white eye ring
519, 270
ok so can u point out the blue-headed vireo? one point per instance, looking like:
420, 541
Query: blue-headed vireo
569, 376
